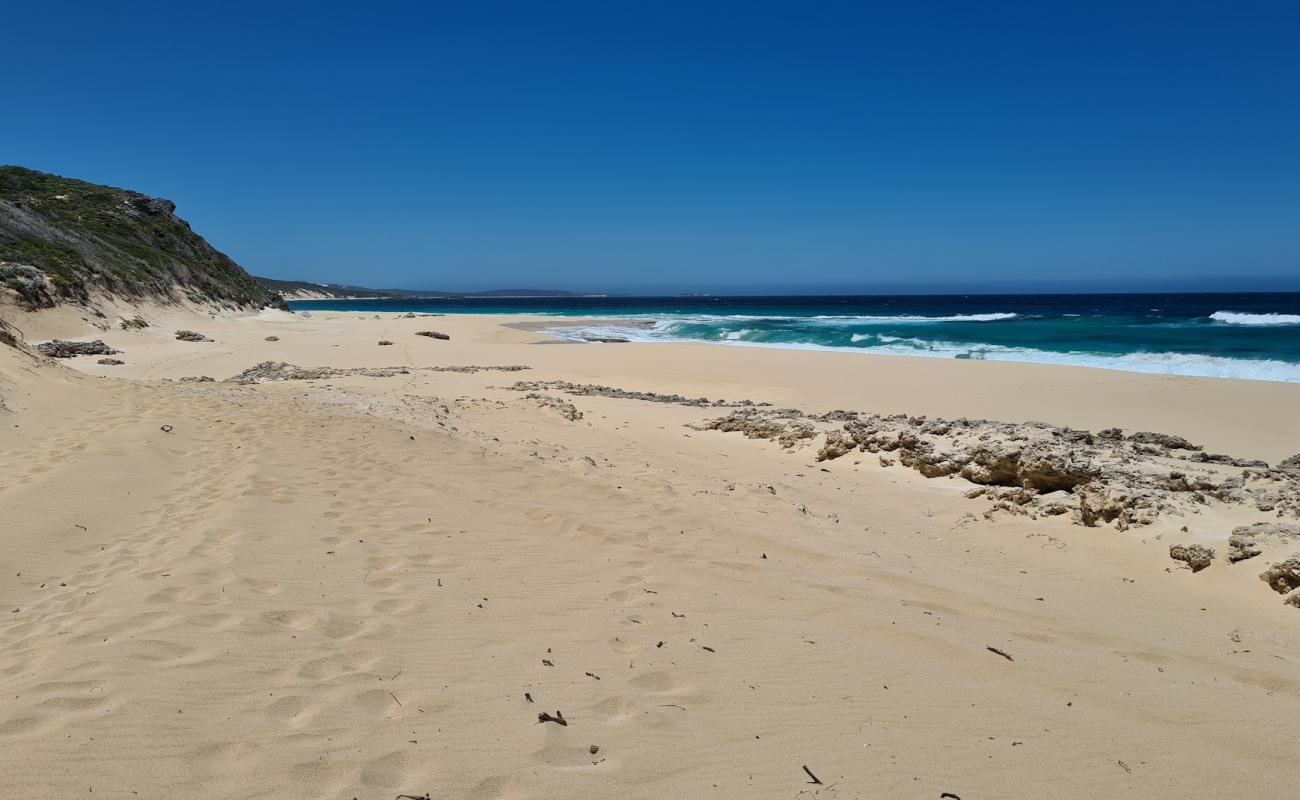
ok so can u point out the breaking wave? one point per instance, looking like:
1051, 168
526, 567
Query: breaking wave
1239, 318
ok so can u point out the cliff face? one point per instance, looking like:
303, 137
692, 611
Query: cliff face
63, 239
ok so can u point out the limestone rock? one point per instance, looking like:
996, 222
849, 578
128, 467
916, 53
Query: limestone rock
1163, 440
1196, 556
1284, 576
1243, 542
61, 349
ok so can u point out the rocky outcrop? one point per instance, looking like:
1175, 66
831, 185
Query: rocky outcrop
1284, 576
283, 371
1102, 479
605, 339
191, 336
63, 240
61, 349
562, 407
595, 390
269, 371
1196, 556
1243, 542
111, 362
432, 334
1163, 440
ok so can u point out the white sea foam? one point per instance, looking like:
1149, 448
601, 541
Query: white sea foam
1189, 364
886, 320
1242, 318
818, 319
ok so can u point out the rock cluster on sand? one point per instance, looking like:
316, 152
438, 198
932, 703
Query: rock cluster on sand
1038, 469
191, 336
197, 379
112, 362
593, 390
1196, 556
282, 371
61, 349
605, 339
565, 409
1283, 576
432, 334
384, 343
272, 339
1243, 542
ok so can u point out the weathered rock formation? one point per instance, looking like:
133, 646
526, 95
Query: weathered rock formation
1196, 556
61, 349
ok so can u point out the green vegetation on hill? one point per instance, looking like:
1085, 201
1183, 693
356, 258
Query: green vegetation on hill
63, 239
290, 288
300, 289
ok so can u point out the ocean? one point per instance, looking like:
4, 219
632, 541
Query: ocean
1244, 336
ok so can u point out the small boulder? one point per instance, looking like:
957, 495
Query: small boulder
112, 362
272, 339
191, 336
432, 334
1196, 556
384, 342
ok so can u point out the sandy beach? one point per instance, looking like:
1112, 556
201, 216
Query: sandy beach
371, 585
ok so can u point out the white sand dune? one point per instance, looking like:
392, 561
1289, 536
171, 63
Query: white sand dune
350, 587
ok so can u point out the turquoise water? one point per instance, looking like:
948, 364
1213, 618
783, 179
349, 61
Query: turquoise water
1247, 336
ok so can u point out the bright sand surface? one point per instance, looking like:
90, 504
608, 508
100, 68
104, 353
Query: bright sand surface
350, 587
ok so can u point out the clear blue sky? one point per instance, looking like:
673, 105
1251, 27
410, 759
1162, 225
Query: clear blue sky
743, 146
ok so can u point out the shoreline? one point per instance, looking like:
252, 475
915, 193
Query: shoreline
924, 339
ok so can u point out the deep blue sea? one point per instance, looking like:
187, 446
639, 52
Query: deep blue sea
1248, 336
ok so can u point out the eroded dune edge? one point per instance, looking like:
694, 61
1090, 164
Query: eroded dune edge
364, 570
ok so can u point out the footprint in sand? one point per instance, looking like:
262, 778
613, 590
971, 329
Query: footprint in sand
292, 708
395, 772
661, 682
290, 619
338, 665
398, 605
563, 753
498, 788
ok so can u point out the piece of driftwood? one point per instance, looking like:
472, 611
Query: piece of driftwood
558, 718
1002, 653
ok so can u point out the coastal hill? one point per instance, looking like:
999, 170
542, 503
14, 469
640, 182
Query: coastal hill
310, 290
66, 240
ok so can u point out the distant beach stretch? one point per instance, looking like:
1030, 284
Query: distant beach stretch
1243, 336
